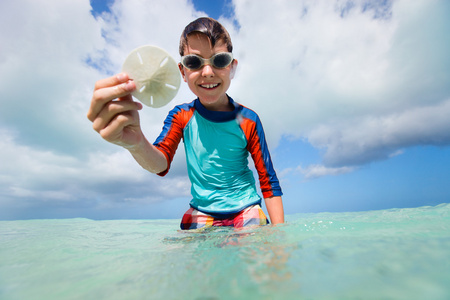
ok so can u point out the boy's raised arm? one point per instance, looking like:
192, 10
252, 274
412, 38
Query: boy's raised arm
114, 115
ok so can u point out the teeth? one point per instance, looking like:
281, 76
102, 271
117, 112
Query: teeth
210, 86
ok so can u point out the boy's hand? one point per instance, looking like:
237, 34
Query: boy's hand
113, 112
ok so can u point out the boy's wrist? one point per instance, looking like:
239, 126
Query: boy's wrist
139, 146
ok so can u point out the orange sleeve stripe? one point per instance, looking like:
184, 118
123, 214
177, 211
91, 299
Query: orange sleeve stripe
172, 132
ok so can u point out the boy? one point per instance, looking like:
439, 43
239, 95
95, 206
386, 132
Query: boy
218, 134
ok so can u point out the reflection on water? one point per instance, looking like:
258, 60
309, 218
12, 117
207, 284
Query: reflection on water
390, 254
239, 263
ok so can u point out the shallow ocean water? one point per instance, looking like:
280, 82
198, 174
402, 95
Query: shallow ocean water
385, 254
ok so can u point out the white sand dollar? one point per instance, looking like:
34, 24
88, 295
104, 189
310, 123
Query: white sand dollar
155, 74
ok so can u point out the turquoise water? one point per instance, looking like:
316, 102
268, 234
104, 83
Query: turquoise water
386, 254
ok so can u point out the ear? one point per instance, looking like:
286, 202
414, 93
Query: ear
180, 66
233, 68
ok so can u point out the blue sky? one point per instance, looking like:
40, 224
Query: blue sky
354, 97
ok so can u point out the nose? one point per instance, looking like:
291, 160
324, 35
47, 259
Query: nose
207, 71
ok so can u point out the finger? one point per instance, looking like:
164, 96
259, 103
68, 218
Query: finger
111, 81
114, 132
106, 94
113, 92
111, 110
101, 96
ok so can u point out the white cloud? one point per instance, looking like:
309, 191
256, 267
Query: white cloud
359, 79
316, 171
369, 138
30, 175
307, 64
44, 82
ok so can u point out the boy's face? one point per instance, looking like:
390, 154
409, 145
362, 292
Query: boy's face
209, 84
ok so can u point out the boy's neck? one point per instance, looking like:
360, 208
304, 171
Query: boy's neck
223, 105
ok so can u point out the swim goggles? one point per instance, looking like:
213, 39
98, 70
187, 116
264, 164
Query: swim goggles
220, 60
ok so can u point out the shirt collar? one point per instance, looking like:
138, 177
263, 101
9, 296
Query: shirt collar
218, 116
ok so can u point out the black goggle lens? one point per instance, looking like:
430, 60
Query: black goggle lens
192, 62
222, 60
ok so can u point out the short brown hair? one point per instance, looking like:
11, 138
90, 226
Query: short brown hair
211, 28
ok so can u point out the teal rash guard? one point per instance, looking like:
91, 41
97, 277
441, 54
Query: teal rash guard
217, 145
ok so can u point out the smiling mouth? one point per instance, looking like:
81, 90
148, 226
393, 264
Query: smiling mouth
209, 86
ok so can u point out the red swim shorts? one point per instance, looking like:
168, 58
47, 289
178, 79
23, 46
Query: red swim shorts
252, 215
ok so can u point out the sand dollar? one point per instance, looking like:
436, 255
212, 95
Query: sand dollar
155, 73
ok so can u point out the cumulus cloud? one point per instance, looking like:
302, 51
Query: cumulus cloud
32, 177
369, 138
316, 171
359, 79
44, 82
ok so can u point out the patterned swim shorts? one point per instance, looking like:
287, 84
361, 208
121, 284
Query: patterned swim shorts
252, 215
